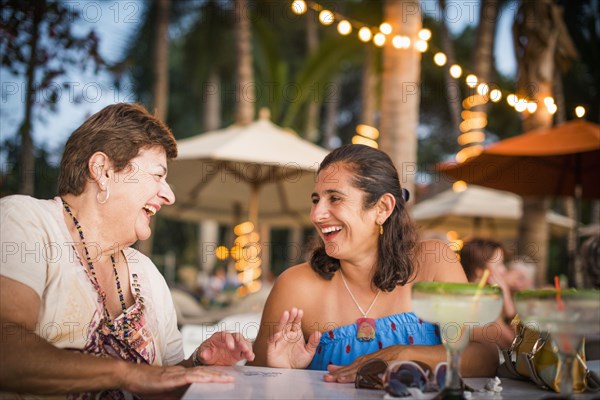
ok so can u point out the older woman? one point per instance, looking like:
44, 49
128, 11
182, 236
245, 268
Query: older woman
82, 313
353, 299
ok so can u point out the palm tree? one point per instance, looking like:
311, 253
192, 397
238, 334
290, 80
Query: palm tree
160, 89
26, 184
369, 88
245, 85
452, 87
400, 97
541, 43
311, 131
161, 60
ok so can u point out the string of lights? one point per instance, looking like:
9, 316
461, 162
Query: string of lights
473, 122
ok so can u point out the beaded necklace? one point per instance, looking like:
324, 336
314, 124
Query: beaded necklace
109, 321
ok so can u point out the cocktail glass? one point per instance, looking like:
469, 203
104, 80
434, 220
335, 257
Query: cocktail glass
568, 315
457, 308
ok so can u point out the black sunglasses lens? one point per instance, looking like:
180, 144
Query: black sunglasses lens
410, 376
440, 376
397, 388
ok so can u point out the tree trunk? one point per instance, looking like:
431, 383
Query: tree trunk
369, 88
160, 92
312, 43
27, 159
483, 56
245, 85
484, 47
400, 97
482, 63
569, 206
332, 103
533, 235
212, 103
208, 230
452, 85
535, 46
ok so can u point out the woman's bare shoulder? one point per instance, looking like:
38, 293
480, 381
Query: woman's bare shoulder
295, 287
298, 276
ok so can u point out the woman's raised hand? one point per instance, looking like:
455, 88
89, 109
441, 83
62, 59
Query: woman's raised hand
286, 347
225, 348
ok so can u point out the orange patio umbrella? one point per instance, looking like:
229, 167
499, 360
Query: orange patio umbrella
560, 161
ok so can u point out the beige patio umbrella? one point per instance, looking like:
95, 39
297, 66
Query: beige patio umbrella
479, 211
258, 172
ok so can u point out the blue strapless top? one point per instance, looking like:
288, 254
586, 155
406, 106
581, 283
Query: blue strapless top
340, 345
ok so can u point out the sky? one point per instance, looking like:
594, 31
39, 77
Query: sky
116, 21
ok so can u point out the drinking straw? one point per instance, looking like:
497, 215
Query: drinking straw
482, 282
559, 303
563, 338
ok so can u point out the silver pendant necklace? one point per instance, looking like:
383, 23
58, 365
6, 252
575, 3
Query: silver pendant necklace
365, 327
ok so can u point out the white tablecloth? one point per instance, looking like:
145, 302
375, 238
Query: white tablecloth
274, 383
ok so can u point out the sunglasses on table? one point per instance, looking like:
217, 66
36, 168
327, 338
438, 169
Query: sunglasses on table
398, 377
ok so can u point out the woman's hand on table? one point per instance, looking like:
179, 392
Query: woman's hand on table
347, 373
286, 347
165, 382
225, 348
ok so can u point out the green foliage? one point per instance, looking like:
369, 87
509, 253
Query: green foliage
581, 83
46, 172
60, 45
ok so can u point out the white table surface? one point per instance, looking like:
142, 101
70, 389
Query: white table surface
275, 383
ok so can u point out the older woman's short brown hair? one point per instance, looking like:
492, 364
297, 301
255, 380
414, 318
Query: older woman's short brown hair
120, 131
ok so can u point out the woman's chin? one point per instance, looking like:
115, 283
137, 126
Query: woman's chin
143, 233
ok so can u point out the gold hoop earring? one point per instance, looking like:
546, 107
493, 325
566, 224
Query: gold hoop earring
105, 198
380, 229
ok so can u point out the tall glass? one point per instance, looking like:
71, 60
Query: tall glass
457, 308
568, 316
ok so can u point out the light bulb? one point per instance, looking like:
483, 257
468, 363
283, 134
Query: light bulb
548, 101
440, 59
364, 34
379, 39
299, 7
521, 105
421, 46
344, 27
483, 89
495, 95
424, 34
385, 28
471, 80
455, 71
326, 17
401, 42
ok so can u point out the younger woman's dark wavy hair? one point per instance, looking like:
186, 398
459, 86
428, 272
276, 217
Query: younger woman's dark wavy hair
375, 174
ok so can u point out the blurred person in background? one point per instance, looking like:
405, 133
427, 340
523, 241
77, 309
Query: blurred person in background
590, 260
521, 274
478, 255
82, 313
